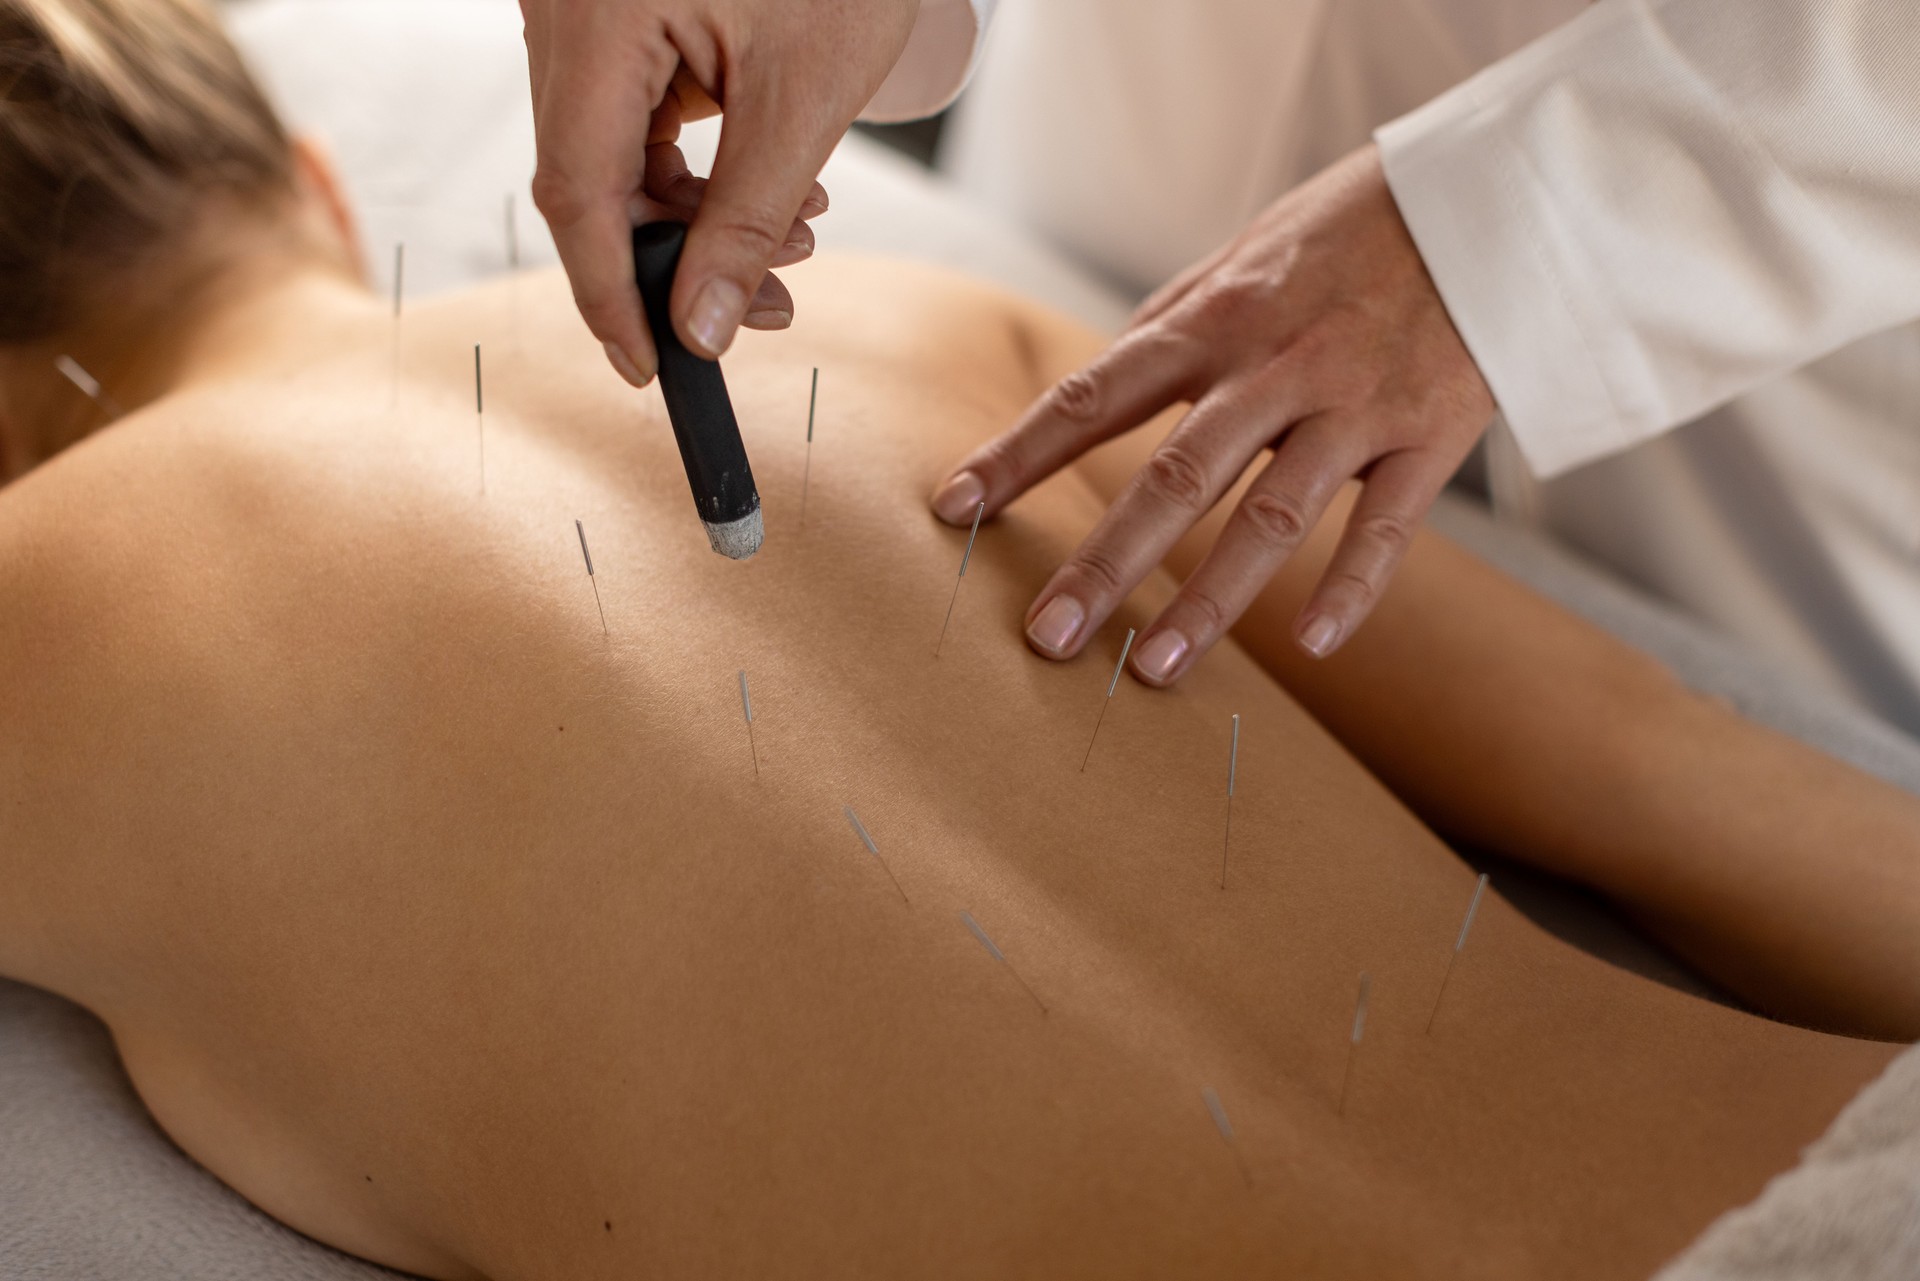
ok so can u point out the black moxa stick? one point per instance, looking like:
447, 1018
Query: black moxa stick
698, 405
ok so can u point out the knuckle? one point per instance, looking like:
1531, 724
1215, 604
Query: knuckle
605, 319
1077, 395
1004, 458
559, 199
752, 239
1207, 610
1175, 476
1387, 534
1278, 521
1099, 569
1351, 584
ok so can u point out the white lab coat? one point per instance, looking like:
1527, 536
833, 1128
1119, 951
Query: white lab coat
936, 64
1642, 214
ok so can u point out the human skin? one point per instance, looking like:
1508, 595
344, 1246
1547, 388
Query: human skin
611, 77
465, 937
1317, 334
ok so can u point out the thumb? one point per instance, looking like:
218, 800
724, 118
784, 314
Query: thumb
769, 156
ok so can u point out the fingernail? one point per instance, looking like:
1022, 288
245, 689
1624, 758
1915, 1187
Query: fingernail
1163, 651
716, 314
959, 498
624, 366
1320, 636
770, 319
1054, 628
794, 251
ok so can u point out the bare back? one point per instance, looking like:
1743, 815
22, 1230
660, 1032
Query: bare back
460, 933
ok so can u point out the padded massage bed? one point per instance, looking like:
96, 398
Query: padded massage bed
90, 1190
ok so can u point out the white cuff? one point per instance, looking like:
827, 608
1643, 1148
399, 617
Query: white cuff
1487, 233
936, 64
1666, 203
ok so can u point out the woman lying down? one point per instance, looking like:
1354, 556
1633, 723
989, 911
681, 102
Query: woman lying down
468, 936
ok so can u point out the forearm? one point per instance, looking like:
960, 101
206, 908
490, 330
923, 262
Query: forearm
1788, 877
1508, 722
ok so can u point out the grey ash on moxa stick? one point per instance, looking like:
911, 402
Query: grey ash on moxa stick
698, 406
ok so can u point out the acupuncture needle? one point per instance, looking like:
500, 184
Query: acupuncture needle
1353, 1044
806, 475
399, 292
480, 419
89, 386
1111, 686
993, 950
1472, 906
978, 512
746, 710
513, 268
1233, 767
582, 531
1220, 1123
860, 830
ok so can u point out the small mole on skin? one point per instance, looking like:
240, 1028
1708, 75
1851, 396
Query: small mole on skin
609, 1225
369, 1178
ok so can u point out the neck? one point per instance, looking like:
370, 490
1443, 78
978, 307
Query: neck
242, 322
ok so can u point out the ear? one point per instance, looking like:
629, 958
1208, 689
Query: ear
321, 189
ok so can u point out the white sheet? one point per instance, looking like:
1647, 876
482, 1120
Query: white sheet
425, 105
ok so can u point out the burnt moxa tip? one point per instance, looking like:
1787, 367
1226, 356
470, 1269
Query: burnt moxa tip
738, 539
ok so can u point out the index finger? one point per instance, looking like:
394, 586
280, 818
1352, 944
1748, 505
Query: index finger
771, 152
598, 95
1146, 370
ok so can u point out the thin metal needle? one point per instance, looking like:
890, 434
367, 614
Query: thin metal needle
1225, 1127
89, 386
978, 512
480, 418
806, 476
993, 950
1353, 1046
399, 292
513, 267
581, 530
1111, 686
1472, 907
746, 709
1233, 768
860, 830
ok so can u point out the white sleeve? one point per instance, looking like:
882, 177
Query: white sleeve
936, 64
1667, 202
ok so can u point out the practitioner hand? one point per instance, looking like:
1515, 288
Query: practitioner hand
612, 81
1317, 333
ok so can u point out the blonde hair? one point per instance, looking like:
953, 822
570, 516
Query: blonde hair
118, 120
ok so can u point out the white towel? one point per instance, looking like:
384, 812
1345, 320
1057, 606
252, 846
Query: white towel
1850, 1211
